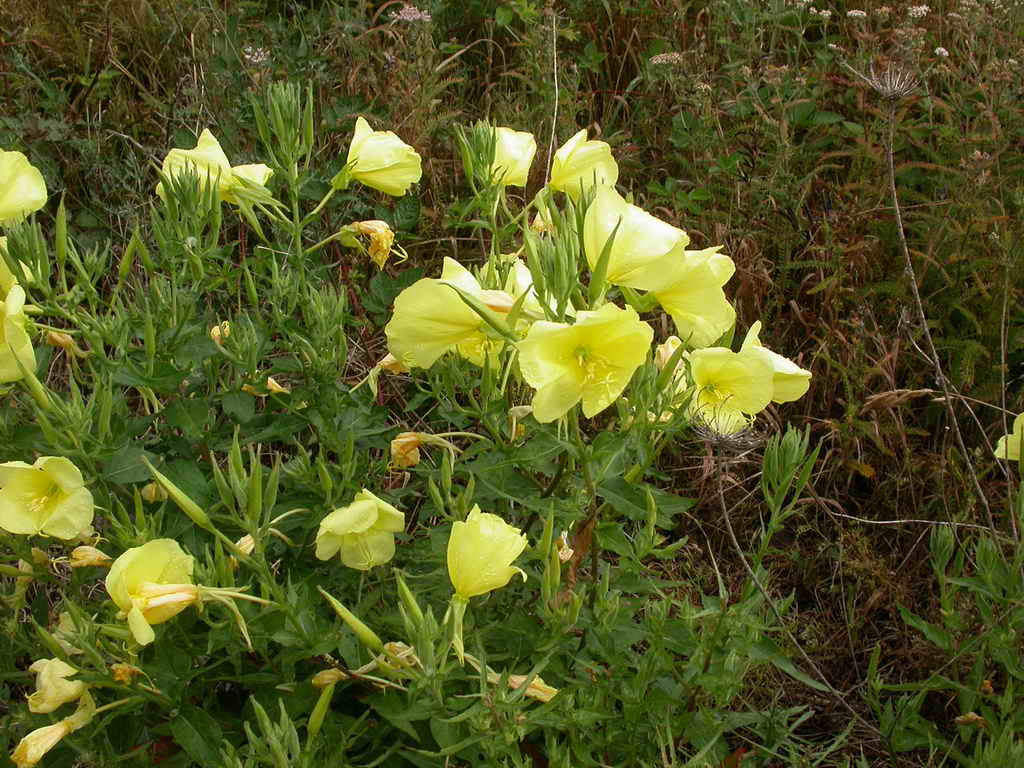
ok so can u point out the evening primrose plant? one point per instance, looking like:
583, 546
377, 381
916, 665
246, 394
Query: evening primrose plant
182, 431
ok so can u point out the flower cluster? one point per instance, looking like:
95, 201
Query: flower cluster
584, 346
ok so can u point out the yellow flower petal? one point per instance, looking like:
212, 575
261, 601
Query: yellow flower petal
1009, 446
692, 294
579, 164
15, 345
151, 584
591, 360
790, 381
382, 160
729, 387
53, 689
22, 188
363, 532
513, 156
480, 553
644, 246
46, 498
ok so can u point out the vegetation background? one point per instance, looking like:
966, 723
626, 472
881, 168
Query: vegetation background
746, 124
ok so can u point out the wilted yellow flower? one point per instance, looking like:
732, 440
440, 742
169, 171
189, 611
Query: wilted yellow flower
405, 450
84, 557
430, 319
513, 156
211, 164
124, 673
692, 294
381, 239
537, 689
15, 345
220, 332
364, 532
644, 247
591, 360
480, 553
729, 387
1009, 446
153, 492
381, 160
274, 388
151, 584
52, 686
48, 498
790, 382
22, 188
65, 342
579, 164
392, 364
33, 747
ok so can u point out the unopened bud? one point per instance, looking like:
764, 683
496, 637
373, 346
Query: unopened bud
326, 677
664, 351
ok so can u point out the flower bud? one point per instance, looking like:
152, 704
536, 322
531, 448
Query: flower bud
326, 677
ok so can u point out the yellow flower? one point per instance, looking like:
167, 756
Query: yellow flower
52, 686
211, 164
729, 387
513, 156
1009, 446
691, 292
47, 498
15, 345
84, 557
8, 278
33, 747
591, 360
579, 164
22, 188
326, 677
364, 532
151, 584
430, 319
480, 554
790, 382
381, 160
644, 247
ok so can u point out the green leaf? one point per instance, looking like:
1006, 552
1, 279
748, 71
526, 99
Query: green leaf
241, 407
190, 416
198, 734
126, 466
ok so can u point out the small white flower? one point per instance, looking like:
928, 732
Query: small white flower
856, 14
918, 11
940, 51
825, 14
